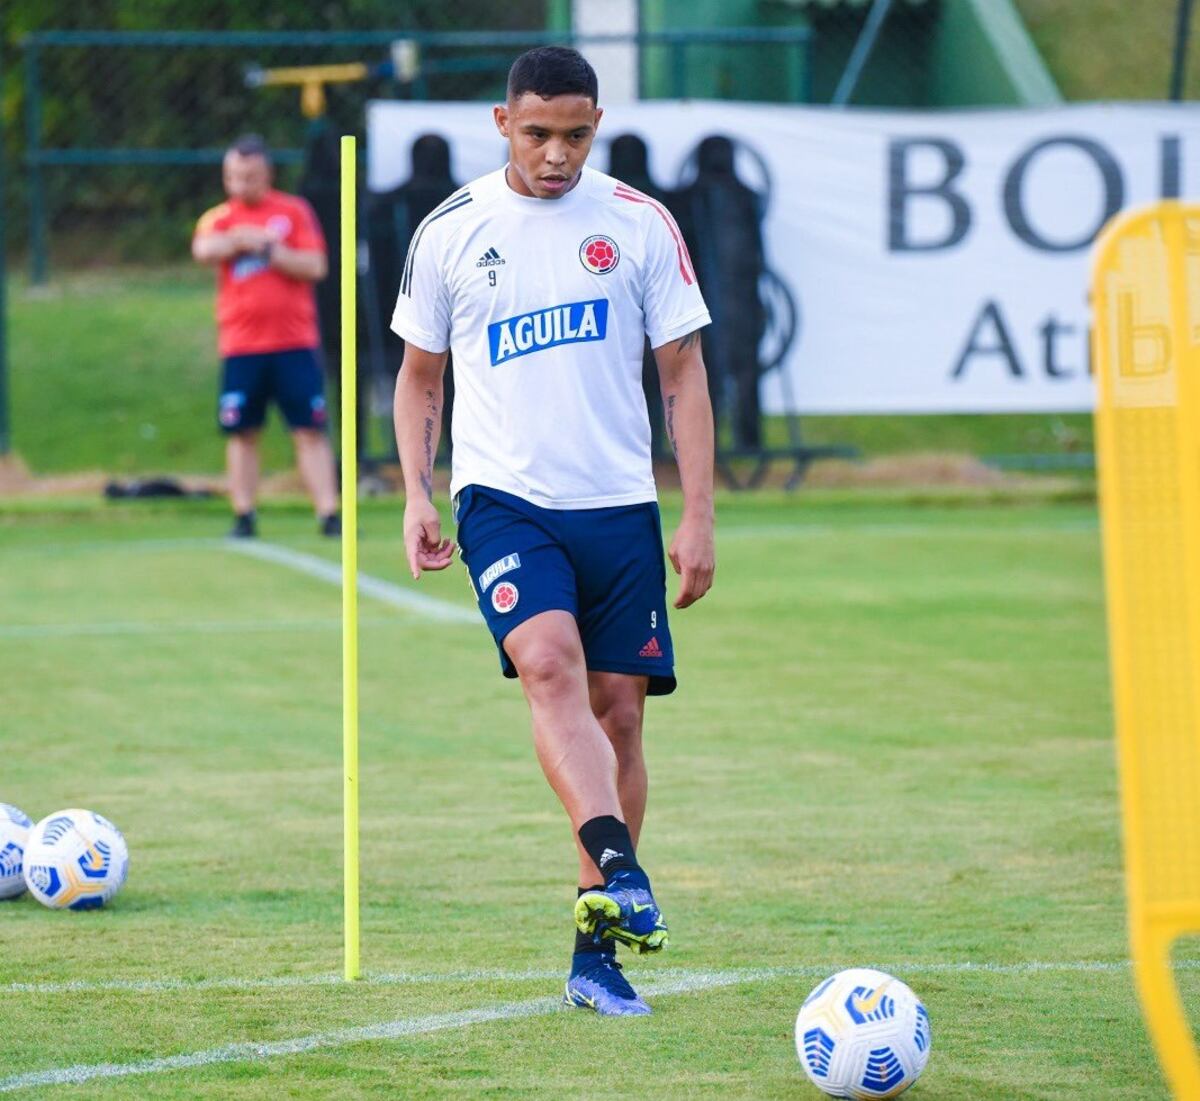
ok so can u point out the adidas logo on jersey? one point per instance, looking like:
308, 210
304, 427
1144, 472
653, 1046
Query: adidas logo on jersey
490, 259
573, 323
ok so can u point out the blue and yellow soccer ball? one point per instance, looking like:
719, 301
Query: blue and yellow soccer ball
863, 1034
14, 833
75, 860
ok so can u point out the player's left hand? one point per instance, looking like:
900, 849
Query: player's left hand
694, 558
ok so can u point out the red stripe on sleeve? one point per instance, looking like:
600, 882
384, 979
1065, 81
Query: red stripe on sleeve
624, 191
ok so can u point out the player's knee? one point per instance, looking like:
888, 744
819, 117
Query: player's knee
622, 722
546, 667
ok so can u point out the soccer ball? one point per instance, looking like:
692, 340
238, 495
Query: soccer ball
14, 832
862, 1034
75, 860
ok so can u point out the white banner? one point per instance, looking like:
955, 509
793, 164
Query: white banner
940, 260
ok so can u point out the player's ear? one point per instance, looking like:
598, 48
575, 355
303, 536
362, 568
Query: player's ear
596, 120
500, 114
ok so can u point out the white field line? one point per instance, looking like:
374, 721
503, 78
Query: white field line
417, 978
429, 607
342, 1037
395, 596
407, 600
666, 983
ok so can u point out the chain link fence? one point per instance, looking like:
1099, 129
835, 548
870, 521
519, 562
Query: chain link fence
121, 132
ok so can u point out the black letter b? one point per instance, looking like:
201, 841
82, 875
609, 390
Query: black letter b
899, 190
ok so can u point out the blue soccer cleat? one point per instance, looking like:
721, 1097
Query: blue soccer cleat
596, 983
624, 911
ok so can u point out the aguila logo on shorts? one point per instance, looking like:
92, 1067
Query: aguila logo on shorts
505, 596
599, 254
574, 323
498, 569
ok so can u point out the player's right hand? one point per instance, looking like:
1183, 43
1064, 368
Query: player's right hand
423, 542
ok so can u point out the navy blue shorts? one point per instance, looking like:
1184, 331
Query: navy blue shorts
293, 378
603, 565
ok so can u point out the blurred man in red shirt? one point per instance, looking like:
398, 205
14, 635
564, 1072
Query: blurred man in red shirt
269, 251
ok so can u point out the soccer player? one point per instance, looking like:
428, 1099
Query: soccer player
544, 279
269, 252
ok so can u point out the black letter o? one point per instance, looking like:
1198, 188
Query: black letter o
1110, 174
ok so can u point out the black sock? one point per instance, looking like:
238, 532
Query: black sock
585, 942
606, 840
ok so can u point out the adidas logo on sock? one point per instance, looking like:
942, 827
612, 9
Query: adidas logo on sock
651, 649
490, 259
607, 855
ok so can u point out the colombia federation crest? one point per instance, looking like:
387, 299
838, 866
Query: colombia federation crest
599, 254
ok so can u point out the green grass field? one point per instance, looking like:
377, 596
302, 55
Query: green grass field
117, 371
891, 746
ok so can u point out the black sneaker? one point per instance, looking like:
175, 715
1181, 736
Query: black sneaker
331, 525
245, 526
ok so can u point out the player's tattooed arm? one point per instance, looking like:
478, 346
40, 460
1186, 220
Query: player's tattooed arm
418, 409
688, 413
433, 414
682, 346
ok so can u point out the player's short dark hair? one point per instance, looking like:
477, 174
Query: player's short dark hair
552, 71
251, 145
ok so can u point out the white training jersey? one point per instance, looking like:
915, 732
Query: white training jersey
545, 305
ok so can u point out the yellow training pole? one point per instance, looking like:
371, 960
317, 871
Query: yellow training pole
349, 420
1146, 296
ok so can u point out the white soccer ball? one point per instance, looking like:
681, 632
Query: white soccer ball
14, 832
75, 860
861, 1034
